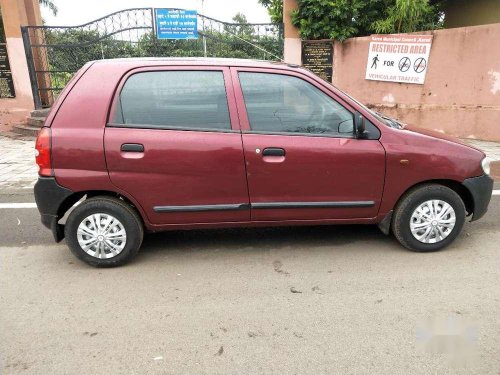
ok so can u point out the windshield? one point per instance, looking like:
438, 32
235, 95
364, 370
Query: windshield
379, 116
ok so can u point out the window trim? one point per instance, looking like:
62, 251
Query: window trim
169, 127
242, 110
230, 98
298, 134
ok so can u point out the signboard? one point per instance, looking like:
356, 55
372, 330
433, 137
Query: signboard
6, 81
176, 24
399, 58
317, 56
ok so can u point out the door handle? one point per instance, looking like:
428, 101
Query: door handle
132, 147
273, 151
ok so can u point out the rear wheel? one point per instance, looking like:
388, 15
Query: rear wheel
428, 218
104, 232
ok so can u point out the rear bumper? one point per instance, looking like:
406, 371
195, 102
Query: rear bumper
480, 188
49, 196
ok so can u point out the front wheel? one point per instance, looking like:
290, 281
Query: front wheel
104, 232
428, 218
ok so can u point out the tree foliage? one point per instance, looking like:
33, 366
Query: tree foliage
342, 19
240, 27
407, 16
49, 4
275, 9
337, 19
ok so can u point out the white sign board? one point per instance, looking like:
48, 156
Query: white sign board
398, 58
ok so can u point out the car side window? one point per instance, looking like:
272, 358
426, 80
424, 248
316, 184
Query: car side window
278, 103
163, 99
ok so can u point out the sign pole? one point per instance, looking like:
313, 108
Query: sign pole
203, 26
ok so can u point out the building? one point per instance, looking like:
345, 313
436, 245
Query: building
460, 13
16, 97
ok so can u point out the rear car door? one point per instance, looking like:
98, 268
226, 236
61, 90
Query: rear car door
303, 159
173, 143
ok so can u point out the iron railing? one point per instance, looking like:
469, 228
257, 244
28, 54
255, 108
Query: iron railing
55, 53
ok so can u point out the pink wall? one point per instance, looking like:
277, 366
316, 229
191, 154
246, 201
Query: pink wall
461, 94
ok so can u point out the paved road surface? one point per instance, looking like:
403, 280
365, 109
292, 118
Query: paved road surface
221, 302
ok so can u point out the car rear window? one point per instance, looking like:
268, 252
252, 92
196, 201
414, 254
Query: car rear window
174, 99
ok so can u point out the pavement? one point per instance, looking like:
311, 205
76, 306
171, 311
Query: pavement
17, 164
315, 300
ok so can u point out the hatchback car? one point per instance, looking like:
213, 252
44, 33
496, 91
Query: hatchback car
139, 145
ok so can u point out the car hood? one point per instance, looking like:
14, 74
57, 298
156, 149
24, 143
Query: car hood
439, 135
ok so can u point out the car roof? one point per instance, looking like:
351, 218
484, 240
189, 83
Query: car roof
212, 61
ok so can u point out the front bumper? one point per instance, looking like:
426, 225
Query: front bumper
49, 196
481, 189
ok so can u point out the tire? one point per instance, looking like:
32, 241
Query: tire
112, 248
441, 233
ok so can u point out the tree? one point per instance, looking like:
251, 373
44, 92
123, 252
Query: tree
342, 19
275, 10
407, 16
240, 27
337, 19
51, 5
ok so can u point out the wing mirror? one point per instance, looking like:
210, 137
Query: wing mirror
359, 125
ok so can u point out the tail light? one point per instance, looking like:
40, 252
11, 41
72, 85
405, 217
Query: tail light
43, 152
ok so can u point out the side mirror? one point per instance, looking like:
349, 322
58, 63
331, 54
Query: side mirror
359, 124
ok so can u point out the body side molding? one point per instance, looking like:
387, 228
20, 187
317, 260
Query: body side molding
266, 205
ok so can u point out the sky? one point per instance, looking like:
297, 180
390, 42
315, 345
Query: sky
78, 12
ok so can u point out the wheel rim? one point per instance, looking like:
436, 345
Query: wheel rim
432, 221
101, 236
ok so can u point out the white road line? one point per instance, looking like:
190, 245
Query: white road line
496, 192
17, 205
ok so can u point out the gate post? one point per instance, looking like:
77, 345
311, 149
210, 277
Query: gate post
292, 44
31, 67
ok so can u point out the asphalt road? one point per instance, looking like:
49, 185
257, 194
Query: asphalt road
318, 300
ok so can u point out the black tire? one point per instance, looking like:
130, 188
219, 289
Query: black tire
407, 205
116, 208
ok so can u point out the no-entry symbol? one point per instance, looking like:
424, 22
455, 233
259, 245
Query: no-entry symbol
420, 65
404, 64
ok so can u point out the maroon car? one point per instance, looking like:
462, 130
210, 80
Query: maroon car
140, 145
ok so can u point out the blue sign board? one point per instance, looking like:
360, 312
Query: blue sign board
176, 24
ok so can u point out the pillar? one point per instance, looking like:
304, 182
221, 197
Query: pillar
292, 46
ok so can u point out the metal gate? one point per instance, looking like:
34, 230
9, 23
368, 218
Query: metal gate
55, 53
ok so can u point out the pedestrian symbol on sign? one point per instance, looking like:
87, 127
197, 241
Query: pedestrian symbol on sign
374, 63
420, 65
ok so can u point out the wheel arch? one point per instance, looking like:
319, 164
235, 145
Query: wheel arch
72, 199
454, 185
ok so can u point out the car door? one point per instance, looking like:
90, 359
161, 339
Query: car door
302, 157
173, 143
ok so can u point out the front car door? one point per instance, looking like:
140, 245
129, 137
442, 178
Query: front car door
173, 143
303, 160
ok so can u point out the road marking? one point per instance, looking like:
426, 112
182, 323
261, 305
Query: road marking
496, 192
17, 205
